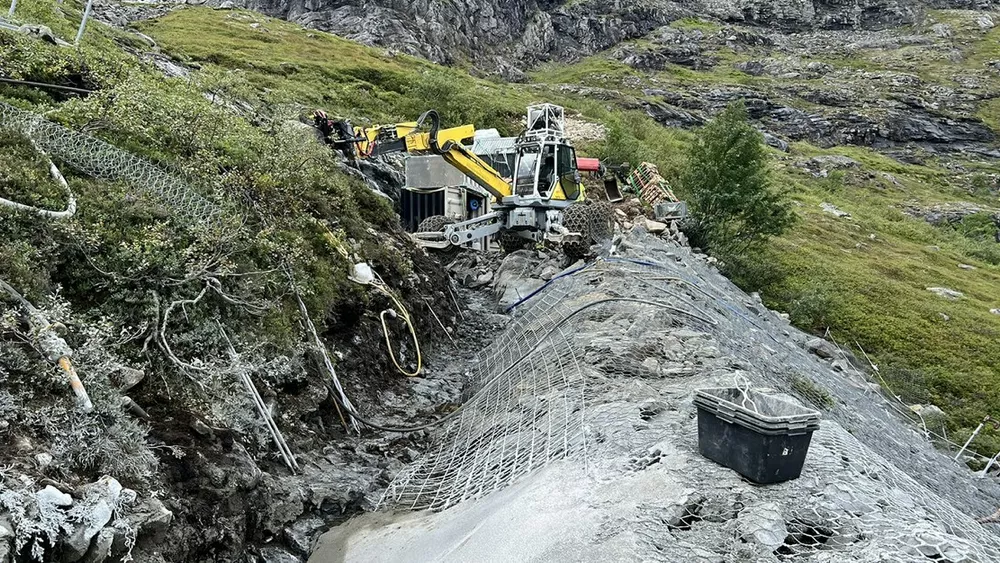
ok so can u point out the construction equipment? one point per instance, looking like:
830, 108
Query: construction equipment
542, 201
644, 182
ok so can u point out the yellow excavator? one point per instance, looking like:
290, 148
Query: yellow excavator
542, 201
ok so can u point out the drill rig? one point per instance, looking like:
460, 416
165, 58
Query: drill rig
542, 201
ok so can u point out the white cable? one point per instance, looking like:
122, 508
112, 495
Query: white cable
58, 177
743, 385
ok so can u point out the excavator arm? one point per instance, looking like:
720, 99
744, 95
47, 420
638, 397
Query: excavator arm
407, 137
447, 143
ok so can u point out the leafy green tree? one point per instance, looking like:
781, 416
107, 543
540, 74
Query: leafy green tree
734, 206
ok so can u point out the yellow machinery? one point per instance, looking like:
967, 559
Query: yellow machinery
531, 206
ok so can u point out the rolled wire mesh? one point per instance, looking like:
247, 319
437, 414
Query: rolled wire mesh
101, 160
659, 321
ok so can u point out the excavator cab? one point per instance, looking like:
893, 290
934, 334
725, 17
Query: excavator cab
546, 163
549, 174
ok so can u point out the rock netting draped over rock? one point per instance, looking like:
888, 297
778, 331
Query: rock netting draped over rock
580, 440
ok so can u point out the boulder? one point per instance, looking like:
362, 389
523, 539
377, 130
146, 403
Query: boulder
775, 142
273, 554
763, 524
126, 378
932, 415
821, 348
946, 293
300, 535
40, 31
831, 162
150, 518
655, 227
482, 279
753, 68
516, 291
833, 210
549, 271
91, 514
941, 29
101, 547
51, 496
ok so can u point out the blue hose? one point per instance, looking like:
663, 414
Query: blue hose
546, 284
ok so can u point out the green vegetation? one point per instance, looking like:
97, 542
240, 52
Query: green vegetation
812, 392
734, 206
230, 129
598, 71
865, 278
634, 138
696, 23
280, 63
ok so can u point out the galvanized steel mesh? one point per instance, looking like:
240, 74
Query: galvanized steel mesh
101, 160
656, 321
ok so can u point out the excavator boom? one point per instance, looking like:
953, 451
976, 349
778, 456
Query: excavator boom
406, 137
463, 159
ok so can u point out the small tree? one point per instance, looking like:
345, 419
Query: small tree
734, 207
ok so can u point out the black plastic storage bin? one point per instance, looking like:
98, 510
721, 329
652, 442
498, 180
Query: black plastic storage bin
764, 438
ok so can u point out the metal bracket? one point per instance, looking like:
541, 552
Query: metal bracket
487, 225
462, 233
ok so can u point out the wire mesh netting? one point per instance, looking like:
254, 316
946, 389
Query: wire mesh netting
101, 160
601, 367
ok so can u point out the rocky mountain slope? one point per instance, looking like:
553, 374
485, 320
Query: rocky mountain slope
523, 33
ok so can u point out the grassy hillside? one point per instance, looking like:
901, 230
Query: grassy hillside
283, 64
115, 273
863, 277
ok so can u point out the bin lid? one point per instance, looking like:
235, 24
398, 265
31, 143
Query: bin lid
791, 430
770, 412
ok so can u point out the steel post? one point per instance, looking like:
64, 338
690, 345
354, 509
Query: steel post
969, 441
83, 22
990, 464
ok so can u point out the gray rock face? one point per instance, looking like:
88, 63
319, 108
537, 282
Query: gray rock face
641, 491
951, 213
93, 513
837, 122
525, 31
528, 31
